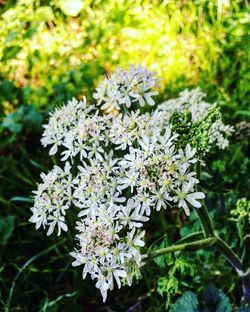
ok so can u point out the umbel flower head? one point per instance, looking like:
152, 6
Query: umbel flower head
116, 171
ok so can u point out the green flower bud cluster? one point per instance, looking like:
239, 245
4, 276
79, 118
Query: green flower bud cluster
242, 210
195, 133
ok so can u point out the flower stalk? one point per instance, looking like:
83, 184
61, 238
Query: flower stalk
195, 245
202, 212
238, 265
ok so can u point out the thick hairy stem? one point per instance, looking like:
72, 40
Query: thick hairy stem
246, 286
199, 244
233, 259
206, 223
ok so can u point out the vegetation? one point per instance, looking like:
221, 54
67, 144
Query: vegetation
52, 51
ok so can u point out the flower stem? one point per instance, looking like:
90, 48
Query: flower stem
198, 244
234, 260
206, 223
236, 263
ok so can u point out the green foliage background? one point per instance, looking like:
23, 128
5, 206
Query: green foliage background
51, 51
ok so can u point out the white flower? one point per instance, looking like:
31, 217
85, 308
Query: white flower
130, 180
117, 274
186, 157
186, 195
130, 215
102, 285
185, 177
59, 221
161, 199
95, 151
146, 202
53, 199
143, 94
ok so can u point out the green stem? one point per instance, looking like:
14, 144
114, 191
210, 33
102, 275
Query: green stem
206, 223
242, 271
234, 260
202, 243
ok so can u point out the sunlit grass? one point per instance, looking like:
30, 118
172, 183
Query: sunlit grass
180, 40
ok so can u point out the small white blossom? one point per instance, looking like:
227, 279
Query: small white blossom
125, 87
187, 195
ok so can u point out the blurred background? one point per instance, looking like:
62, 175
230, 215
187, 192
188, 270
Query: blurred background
51, 51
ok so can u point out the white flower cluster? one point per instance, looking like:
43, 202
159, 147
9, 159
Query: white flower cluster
125, 87
52, 199
193, 101
117, 171
219, 134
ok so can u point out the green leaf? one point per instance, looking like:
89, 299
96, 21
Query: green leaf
46, 305
32, 118
184, 267
188, 302
164, 260
38, 165
10, 52
7, 88
22, 199
26, 117
11, 36
168, 285
216, 183
242, 113
6, 229
10, 123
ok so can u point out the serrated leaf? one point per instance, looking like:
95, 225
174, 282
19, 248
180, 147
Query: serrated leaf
164, 260
184, 267
167, 285
188, 302
6, 229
